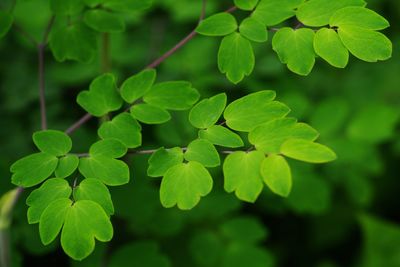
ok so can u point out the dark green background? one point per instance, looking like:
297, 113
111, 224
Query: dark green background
340, 214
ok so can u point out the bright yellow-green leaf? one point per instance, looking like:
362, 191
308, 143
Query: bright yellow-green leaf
276, 174
204, 152
242, 174
307, 151
328, 46
207, 112
184, 184
221, 136
217, 25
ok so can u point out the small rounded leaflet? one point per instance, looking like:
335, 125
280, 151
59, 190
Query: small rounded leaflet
276, 174
220, 24
102, 96
307, 151
246, 113
242, 174
236, 57
52, 142
136, 86
184, 184
207, 112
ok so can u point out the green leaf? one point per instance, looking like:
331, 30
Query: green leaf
110, 171
128, 5
66, 166
177, 95
93, 3
73, 42
269, 137
163, 159
246, 113
111, 148
207, 111
238, 255
219, 135
204, 152
6, 21
220, 24
184, 184
206, 248
365, 44
299, 54
272, 12
244, 230
150, 114
85, 221
356, 27
42, 197
380, 242
307, 151
66, 7
33, 169
253, 30
138, 85
277, 176
328, 46
242, 174
236, 57
95, 190
52, 219
317, 13
104, 21
359, 17
374, 123
124, 128
53, 142
246, 4
142, 253
102, 96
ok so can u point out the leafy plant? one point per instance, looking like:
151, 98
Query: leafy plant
255, 134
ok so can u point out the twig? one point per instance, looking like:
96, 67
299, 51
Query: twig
181, 43
42, 93
150, 151
79, 123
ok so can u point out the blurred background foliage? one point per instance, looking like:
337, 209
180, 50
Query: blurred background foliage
340, 214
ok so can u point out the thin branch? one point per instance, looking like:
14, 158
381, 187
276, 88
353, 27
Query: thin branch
151, 151
79, 123
42, 93
181, 43
47, 31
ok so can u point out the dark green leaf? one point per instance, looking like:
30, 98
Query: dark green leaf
104, 21
73, 42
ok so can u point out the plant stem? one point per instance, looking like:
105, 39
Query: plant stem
105, 53
79, 123
42, 93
